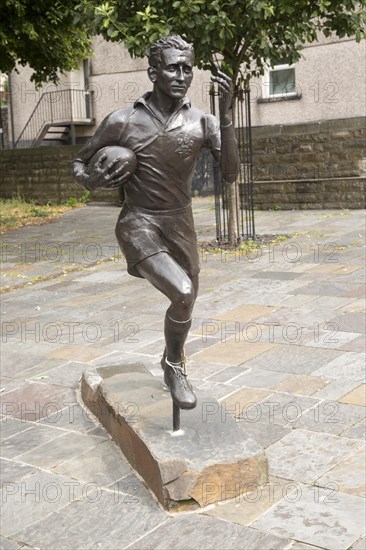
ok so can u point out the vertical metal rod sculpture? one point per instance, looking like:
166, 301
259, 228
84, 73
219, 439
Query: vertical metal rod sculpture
176, 417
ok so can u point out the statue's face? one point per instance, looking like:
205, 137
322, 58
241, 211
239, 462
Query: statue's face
173, 75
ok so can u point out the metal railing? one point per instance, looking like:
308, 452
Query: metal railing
57, 108
243, 187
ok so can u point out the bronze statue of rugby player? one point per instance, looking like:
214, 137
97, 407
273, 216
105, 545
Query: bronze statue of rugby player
155, 229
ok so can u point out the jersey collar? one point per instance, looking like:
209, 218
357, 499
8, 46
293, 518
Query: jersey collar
184, 102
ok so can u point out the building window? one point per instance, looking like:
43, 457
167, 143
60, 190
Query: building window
279, 82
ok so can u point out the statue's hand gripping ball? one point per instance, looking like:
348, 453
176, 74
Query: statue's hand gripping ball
111, 167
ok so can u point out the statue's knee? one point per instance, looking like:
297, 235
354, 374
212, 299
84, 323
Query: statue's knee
187, 295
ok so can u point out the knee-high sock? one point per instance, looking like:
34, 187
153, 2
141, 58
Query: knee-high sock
176, 333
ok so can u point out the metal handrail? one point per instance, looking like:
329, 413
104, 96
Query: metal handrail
49, 112
30, 119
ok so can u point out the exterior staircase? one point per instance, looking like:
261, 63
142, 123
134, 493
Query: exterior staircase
54, 118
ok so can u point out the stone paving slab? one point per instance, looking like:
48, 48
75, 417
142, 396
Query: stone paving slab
29, 440
319, 453
103, 464
319, 517
48, 456
331, 417
12, 426
356, 344
301, 384
294, 360
73, 418
7, 544
206, 532
265, 432
360, 545
246, 508
348, 476
33, 498
35, 400
232, 352
102, 519
336, 389
349, 365
356, 396
12, 471
357, 431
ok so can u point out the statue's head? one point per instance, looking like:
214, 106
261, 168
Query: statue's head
171, 61
175, 41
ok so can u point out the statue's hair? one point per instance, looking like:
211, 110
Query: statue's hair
173, 41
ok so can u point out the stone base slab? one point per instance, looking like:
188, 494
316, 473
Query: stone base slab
209, 460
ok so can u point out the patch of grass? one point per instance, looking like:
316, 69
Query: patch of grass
73, 201
340, 213
248, 246
17, 212
244, 247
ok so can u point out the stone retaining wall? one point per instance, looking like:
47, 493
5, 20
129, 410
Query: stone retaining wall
315, 165
4, 127
299, 166
44, 174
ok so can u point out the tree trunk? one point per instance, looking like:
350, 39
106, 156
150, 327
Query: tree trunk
232, 213
232, 191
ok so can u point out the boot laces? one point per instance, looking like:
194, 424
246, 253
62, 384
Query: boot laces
180, 370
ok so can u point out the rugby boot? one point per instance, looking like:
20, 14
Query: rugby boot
175, 377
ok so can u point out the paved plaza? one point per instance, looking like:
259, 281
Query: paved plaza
278, 338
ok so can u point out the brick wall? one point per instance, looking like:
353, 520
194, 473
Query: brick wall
43, 174
300, 166
314, 165
4, 128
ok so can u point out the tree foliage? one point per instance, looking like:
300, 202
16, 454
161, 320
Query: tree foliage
49, 35
52, 35
248, 34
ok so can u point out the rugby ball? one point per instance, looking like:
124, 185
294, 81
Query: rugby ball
98, 165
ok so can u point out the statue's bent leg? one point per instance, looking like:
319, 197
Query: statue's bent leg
163, 272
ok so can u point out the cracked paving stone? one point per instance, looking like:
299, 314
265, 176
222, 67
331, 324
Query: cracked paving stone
316, 516
331, 417
305, 456
348, 476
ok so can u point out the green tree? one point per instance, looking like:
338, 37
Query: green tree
246, 35
49, 35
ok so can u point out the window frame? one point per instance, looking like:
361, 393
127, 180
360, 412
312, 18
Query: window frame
266, 83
